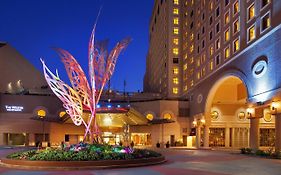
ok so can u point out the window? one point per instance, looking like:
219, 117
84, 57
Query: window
191, 13
191, 83
176, 30
211, 65
236, 26
198, 75
236, 45
191, 36
217, 59
265, 24
217, 27
251, 12
251, 33
198, 36
191, 60
149, 116
175, 80
191, 48
176, 2
218, 44
264, 3
211, 50
176, 41
198, 62
226, 18
176, 51
203, 44
176, 11
211, 20
203, 30
41, 113
227, 35
211, 35
211, 6
203, 16
218, 12
226, 2
175, 60
175, 90
175, 70
236, 8
176, 21
226, 52
191, 25
185, 67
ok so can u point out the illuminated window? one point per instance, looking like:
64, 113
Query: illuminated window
167, 116
175, 90
251, 33
211, 5
175, 51
149, 117
175, 80
62, 113
176, 11
211, 50
236, 26
192, 48
265, 24
198, 62
175, 71
185, 56
176, 2
184, 66
191, 36
236, 45
41, 113
251, 12
185, 88
176, 30
227, 52
176, 41
191, 83
226, 35
191, 60
226, 18
218, 44
211, 65
264, 3
236, 7
176, 20
198, 75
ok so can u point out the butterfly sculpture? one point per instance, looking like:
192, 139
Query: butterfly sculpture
84, 95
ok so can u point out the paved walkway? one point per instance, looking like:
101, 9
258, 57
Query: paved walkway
180, 162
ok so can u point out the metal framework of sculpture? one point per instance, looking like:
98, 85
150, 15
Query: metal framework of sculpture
82, 95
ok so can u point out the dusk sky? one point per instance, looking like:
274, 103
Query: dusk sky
34, 26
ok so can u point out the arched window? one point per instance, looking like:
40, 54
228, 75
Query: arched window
149, 117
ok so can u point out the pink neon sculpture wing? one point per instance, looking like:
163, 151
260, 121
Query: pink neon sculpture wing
70, 98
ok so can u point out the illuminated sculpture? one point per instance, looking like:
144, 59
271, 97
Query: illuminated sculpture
82, 95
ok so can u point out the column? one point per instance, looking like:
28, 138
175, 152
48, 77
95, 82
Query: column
206, 136
278, 132
227, 137
254, 133
198, 136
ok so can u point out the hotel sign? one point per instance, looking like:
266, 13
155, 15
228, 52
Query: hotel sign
14, 108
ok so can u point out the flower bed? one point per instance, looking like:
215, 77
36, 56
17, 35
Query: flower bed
268, 153
84, 152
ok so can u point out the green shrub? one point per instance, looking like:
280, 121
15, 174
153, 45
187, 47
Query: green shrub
85, 153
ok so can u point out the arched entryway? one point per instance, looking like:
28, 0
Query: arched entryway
226, 117
225, 114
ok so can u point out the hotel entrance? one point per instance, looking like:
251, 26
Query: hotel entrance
141, 139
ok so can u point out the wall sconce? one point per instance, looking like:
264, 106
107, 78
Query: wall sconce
250, 112
274, 107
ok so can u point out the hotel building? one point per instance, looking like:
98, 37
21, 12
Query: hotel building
226, 55
30, 113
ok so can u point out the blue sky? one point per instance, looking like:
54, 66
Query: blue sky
34, 26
